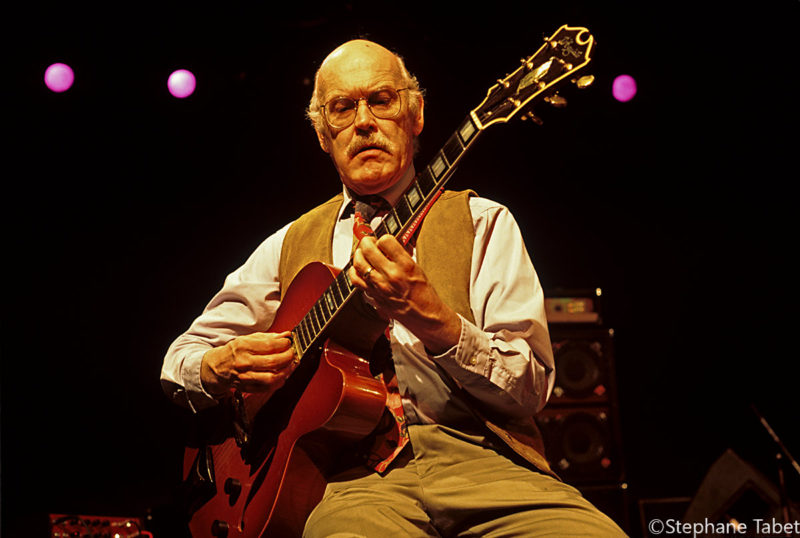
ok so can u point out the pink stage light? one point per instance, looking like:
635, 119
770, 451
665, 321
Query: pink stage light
181, 83
624, 88
59, 77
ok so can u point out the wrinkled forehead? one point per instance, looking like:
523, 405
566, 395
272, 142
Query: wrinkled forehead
358, 66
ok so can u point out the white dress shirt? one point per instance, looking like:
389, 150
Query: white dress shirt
504, 359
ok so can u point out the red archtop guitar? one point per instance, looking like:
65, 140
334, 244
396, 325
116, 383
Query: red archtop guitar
260, 465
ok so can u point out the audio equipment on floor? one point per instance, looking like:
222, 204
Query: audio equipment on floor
83, 526
734, 490
580, 423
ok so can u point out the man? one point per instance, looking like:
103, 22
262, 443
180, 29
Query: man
472, 360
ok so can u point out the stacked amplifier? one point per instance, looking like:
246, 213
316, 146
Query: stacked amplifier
580, 423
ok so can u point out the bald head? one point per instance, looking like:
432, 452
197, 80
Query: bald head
355, 57
358, 55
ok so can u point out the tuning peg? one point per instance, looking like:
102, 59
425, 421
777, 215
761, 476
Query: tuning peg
584, 82
533, 117
556, 100
567, 66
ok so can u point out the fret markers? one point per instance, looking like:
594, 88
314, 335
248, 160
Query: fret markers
438, 166
413, 196
390, 221
467, 131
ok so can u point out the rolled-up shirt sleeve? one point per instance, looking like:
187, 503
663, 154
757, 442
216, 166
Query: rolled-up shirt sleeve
505, 358
246, 304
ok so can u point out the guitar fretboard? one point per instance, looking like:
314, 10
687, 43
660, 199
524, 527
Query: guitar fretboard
403, 218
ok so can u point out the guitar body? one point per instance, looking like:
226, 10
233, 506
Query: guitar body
268, 486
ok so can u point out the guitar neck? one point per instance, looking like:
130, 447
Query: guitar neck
401, 221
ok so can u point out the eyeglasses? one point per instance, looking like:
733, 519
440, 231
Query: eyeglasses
384, 104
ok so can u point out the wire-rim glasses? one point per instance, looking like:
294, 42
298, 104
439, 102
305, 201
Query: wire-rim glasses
385, 104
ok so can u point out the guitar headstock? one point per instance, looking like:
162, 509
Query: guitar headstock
557, 62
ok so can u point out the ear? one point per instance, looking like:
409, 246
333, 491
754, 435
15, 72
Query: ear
419, 120
324, 142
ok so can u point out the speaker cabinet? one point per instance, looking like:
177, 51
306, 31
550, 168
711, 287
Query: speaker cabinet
584, 366
580, 444
580, 423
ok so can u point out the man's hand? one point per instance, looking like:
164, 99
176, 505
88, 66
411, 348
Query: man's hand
258, 362
401, 291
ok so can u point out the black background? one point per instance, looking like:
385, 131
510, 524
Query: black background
124, 208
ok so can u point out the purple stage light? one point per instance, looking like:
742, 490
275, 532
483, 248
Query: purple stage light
59, 77
181, 83
624, 88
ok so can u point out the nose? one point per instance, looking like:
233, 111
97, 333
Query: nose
364, 118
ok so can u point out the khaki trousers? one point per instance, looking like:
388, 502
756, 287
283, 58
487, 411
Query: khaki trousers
446, 483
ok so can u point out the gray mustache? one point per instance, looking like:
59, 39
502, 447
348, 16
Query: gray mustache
371, 142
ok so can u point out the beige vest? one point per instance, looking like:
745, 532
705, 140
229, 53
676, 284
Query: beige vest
444, 251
